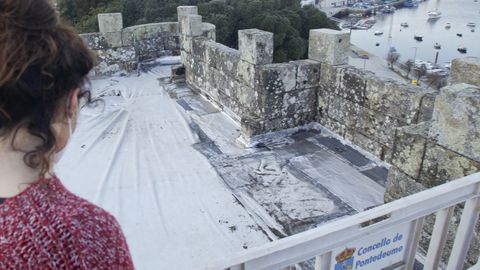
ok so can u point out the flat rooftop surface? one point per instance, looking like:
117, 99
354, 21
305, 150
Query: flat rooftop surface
167, 164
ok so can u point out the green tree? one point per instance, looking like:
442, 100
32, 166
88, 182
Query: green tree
286, 19
68, 10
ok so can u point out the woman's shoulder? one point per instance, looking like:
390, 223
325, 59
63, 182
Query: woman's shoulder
95, 233
70, 206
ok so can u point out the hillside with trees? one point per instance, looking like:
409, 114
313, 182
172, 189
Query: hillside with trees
289, 22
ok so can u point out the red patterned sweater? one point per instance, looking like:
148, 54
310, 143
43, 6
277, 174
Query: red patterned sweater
48, 227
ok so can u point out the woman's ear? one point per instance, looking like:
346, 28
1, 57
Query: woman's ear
73, 102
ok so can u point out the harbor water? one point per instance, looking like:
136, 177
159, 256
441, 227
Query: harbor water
456, 12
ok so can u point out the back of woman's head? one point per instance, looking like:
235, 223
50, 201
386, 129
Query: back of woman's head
41, 63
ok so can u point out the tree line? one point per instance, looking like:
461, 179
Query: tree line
287, 19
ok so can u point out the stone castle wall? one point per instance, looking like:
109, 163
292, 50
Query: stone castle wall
266, 97
366, 109
430, 137
120, 49
262, 96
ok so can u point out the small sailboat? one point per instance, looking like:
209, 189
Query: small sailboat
434, 14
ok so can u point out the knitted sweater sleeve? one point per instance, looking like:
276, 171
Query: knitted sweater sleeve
99, 242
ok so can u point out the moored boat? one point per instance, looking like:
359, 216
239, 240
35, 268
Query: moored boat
388, 9
462, 49
404, 24
418, 37
448, 25
410, 3
434, 14
459, 35
471, 24
437, 46
378, 33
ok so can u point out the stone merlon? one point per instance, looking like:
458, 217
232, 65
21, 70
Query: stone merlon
110, 22
465, 70
329, 46
255, 46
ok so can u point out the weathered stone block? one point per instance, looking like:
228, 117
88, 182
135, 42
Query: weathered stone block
255, 46
410, 143
397, 100
209, 31
456, 119
271, 105
200, 70
114, 39
95, 41
400, 185
277, 78
427, 104
191, 26
441, 165
172, 43
184, 11
110, 22
367, 143
199, 48
246, 73
379, 127
132, 34
346, 82
248, 97
329, 46
184, 57
465, 70
224, 59
186, 43
345, 112
333, 125
308, 73
251, 126
300, 101
123, 54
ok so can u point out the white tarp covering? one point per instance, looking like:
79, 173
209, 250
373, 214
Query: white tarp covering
132, 155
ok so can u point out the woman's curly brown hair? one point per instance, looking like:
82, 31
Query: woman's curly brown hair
41, 62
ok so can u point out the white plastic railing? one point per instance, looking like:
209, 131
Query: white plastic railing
408, 212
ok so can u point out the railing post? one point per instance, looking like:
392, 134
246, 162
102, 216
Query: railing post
415, 231
464, 234
439, 237
322, 262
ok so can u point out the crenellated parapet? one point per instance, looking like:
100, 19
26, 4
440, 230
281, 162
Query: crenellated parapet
120, 49
429, 137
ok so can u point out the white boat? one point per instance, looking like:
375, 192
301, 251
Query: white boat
418, 37
437, 46
448, 25
434, 14
471, 24
462, 49
404, 24
378, 33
